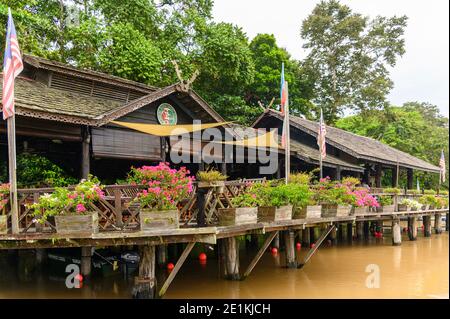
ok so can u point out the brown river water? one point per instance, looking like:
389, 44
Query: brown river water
416, 269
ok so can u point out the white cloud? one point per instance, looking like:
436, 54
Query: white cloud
422, 74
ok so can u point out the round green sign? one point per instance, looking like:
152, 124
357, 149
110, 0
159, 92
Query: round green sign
166, 114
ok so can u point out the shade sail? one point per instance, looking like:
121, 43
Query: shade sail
168, 130
262, 140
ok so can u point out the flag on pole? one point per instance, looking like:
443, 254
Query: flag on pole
283, 91
442, 166
12, 66
418, 185
321, 136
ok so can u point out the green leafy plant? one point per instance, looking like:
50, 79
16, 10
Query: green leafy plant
332, 193
4, 192
392, 190
253, 196
429, 192
441, 202
443, 192
411, 203
210, 176
385, 200
350, 181
413, 192
428, 200
68, 202
301, 178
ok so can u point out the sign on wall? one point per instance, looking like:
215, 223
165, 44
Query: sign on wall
166, 114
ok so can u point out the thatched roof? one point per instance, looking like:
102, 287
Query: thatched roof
360, 147
303, 152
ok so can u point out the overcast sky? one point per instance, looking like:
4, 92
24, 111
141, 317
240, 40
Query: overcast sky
422, 74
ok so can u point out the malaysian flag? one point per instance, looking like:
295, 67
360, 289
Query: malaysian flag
321, 136
284, 96
12, 66
442, 166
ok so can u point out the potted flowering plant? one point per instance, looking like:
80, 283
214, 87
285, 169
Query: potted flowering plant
211, 178
278, 202
72, 209
392, 190
165, 188
4, 193
364, 201
386, 204
409, 205
442, 202
334, 197
429, 201
245, 207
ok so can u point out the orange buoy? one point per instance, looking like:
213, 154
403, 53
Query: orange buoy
79, 277
202, 257
170, 266
298, 246
274, 250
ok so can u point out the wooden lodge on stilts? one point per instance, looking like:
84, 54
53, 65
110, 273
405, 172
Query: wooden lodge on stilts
77, 119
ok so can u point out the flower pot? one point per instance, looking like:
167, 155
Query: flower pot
238, 216
361, 211
218, 186
403, 208
424, 207
310, 211
386, 209
267, 214
158, 219
333, 210
3, 224
77, 224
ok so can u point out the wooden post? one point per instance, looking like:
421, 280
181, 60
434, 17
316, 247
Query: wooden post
366, 230
426, 225
437, 224
378, 175
231, 258
338, 173
366, 177
360, 230
85, 153
446, 222
12, 167
162, 255
201, 214
410, 175
305, 237
394, 177
41, 255
276, 241
333, 236
412, 228
289, 243
312, 235
340, 232
145, 284
350, 232
118, 207
86, 261
396, 233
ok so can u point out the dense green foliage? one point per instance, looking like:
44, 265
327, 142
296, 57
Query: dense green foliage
37, 171
415, 128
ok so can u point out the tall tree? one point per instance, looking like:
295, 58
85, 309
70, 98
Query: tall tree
349, 55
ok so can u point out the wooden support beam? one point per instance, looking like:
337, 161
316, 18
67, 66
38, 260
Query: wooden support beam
312, 235
333, 236
446, 222
177, 267
396, 233
394, 177
305, 237
366, 229
338, 173
350, 232
426, 225
145, 283
437, 224
289, 244
259, 254
85, 153
86, 261
276, 241
412, 228
231, 258
312, 251
409, 174
379, 170
161, 255
360, 230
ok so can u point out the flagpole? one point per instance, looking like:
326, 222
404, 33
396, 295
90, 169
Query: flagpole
287, 155
320, 161
11, 122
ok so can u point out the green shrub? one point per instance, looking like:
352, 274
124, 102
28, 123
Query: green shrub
392, 190
300, 178
385, 200
413, 191
210, 176
428, 200
429, 192
443, 192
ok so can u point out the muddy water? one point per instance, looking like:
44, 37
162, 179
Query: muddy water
417, 269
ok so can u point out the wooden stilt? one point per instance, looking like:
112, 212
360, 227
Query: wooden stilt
145, 284
231, 258
316, 246
276, 241
349, 232
333, 236
426, 226
162, 255
366, 230
259, 254
41, 255
177, 267
340, 232
85, 153
289, 244
305, 237
396, 233
412, 228
312, 235
360, 230
446, 222
86, 261
437, 224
